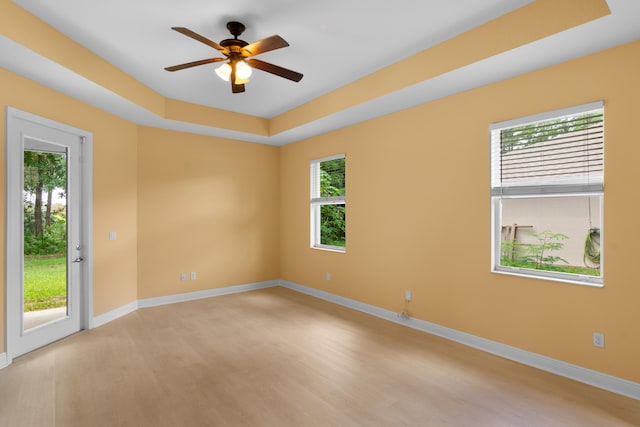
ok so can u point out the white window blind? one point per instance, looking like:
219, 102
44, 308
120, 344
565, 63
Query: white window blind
556, 152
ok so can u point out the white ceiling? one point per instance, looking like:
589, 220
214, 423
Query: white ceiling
333, 43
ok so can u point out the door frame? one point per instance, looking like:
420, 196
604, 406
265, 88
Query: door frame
13, 216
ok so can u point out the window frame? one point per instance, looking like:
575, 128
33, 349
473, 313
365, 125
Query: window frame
316, 204
497, 194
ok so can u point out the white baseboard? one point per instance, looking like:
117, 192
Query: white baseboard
114, 314
207, 293
558, 367
4, 362
171, 299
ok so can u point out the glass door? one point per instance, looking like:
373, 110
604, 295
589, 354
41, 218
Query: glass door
44, 250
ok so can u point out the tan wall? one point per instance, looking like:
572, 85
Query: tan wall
114, 147
418, 217
206, 205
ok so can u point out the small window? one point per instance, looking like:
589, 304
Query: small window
328, 203
547, 193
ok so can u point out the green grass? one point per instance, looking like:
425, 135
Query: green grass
561, 268
45, 282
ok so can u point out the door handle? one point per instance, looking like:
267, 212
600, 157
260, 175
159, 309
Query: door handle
79, 259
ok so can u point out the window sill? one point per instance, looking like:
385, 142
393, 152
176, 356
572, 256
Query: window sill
330, 249
594, 283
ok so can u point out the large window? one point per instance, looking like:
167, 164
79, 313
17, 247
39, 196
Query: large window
547, 194
328, 203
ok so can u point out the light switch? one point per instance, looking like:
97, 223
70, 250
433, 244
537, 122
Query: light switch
112, 235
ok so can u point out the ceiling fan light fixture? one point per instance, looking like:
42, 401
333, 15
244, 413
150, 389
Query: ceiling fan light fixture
243, 71
224, 71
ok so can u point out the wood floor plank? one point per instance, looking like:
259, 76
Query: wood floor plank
275, 357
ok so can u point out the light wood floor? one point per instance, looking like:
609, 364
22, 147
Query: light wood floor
278, 358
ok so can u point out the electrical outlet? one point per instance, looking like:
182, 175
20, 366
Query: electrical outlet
183, 276
328, 276
193, 275
598, 339
408, 295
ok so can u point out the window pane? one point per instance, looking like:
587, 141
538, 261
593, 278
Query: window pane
332, 225
332, 178
45, 238
551, 233
563, 150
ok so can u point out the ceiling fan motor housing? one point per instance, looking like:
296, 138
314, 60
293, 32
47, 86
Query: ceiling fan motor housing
230, 43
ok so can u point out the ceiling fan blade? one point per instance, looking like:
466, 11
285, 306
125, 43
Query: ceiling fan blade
274, 69
187, 32
194, 64
264, 45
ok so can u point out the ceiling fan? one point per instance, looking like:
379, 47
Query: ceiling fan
238, 62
